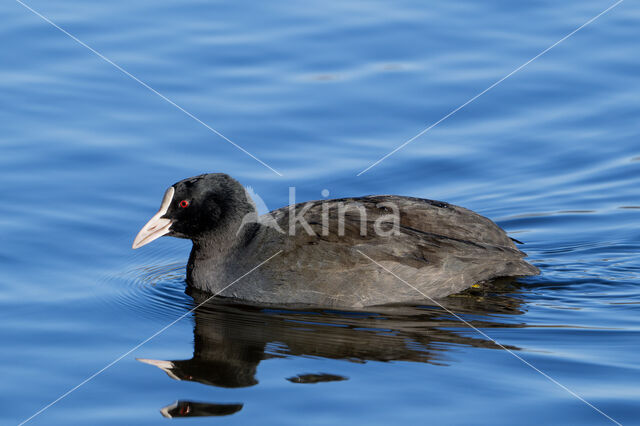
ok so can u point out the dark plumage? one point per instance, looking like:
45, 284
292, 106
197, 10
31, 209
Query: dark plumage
434, 246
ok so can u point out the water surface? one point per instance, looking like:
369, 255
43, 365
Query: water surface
319, 91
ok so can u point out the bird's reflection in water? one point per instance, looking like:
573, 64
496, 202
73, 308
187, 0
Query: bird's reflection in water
230, 340
198, 409
316, 378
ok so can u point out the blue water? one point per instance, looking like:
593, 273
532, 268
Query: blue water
319, 91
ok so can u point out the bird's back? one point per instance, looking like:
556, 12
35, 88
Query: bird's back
374, 250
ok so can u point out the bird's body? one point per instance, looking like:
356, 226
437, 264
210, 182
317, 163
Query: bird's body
350, 252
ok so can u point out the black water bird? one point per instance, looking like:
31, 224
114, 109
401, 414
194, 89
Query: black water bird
349, 252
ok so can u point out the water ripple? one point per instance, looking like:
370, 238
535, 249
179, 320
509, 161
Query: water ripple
154, 291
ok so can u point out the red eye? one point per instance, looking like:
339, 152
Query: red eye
184, 204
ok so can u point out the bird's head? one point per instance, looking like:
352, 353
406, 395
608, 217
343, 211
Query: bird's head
197, 207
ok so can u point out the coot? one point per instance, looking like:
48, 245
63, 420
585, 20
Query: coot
349, 252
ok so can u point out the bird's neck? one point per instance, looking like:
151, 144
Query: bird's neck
216, 256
